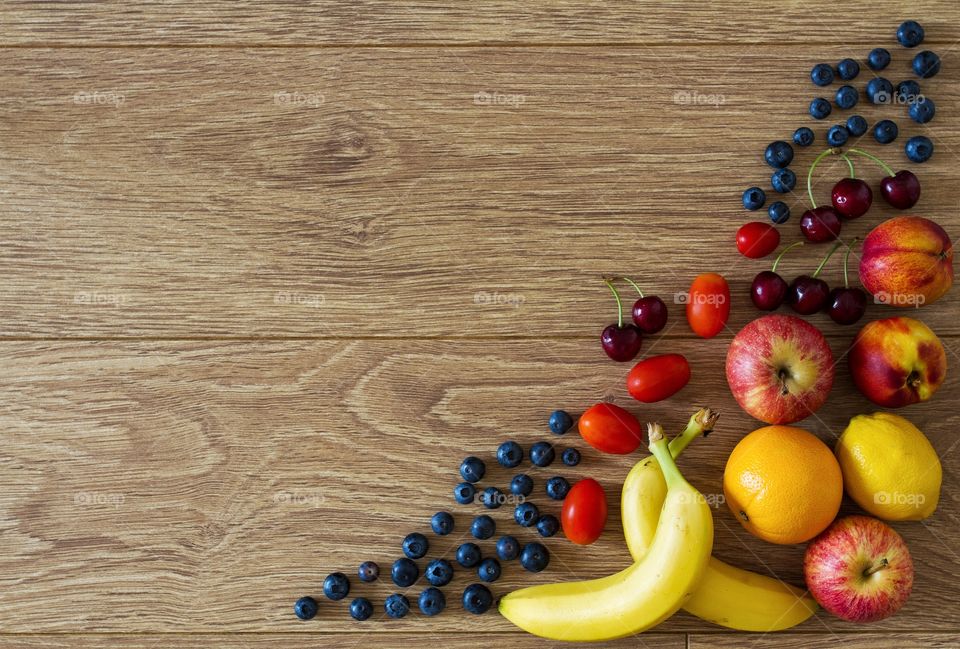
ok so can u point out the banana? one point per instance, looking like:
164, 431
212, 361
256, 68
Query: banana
728, 596
639, 597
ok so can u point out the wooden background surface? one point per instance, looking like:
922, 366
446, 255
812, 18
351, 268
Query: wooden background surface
272, 269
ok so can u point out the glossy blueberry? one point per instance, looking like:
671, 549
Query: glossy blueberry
361, 609
542, 454
526, 514
397, 605
509, 454
570, 457
439, 572
336, 586
926, 64
477, 599
919, 148
483, 527
879, 90
508, 548
856, 125
432, 602
783, 180
492, 498
468, 555
846, 97
923, 111
753, 198
441, 523
910, 33
404, 572
415, 545
560, 422
521, 485
848, 69
368, 571
557, 487
489, 570
778, 154
878, 59
464, 493
473, 469
548, 525
778, 212
885, 131
305, 608
821, 74
803, 136
534, 557
908, 91
820, 108
837, 135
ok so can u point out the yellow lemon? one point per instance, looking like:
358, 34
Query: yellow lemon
889, 467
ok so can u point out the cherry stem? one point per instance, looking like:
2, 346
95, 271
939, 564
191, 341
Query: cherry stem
619, 303
824, 262
782, 253
846, 159
633, 284
876, 567
813, 165
883, 165
846, 256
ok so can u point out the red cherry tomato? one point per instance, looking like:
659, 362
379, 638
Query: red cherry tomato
658, 377
584, 512
708, 304
757, 239
610, 429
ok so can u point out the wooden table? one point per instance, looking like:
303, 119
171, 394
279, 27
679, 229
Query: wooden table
270, 270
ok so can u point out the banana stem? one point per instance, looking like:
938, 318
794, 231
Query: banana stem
660, 450
700, 423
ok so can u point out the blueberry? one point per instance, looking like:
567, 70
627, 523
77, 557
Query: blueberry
778, 212
926, 64
848, 69
837, 135
783, 180
526, 514
442, 523
819, 108
477, 599
404, 572
919, 148
557, 487
879, 90
548, 525
778, 154
509, 454
305, 608
439, 572
910, 33
885, 131
560, 422
846, 97
856, 125
821, 74
489, 570
336, 586
361, 609
492, 498
415, 545
908, 91
570, 457
753, 198
923, 111
472, 469
368, 571
534, 557
521, 485
542, 454
397, 605
483, 527
878, 59
508, 548
432, 602
803, 136
464, 493
468, 555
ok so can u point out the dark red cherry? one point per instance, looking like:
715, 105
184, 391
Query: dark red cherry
846, 305
851, 197
820, 224
621, 343
807, 294
902, 190
649, 314
768, 290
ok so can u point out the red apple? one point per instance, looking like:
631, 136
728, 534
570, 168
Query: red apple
907, 261
859, 569
897, 361
780, 369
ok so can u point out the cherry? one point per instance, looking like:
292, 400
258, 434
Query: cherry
807, 294
846, 305
851, 197
820, 224
768, 289
621, 343
901, 189
649, 312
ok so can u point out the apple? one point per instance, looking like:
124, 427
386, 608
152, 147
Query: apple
907, 261
897, 361
780, 369
859, 569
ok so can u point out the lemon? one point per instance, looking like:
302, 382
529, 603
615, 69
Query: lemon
889, 467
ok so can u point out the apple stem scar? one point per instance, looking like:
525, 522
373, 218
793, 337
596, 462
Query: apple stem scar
877, 567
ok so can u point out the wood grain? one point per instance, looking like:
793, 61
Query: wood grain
824, 641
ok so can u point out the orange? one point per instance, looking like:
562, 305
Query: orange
783, 484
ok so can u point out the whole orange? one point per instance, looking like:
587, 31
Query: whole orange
783, 484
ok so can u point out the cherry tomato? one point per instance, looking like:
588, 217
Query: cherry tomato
584, 512
757, 239
708, 304
658, 377
610, 429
